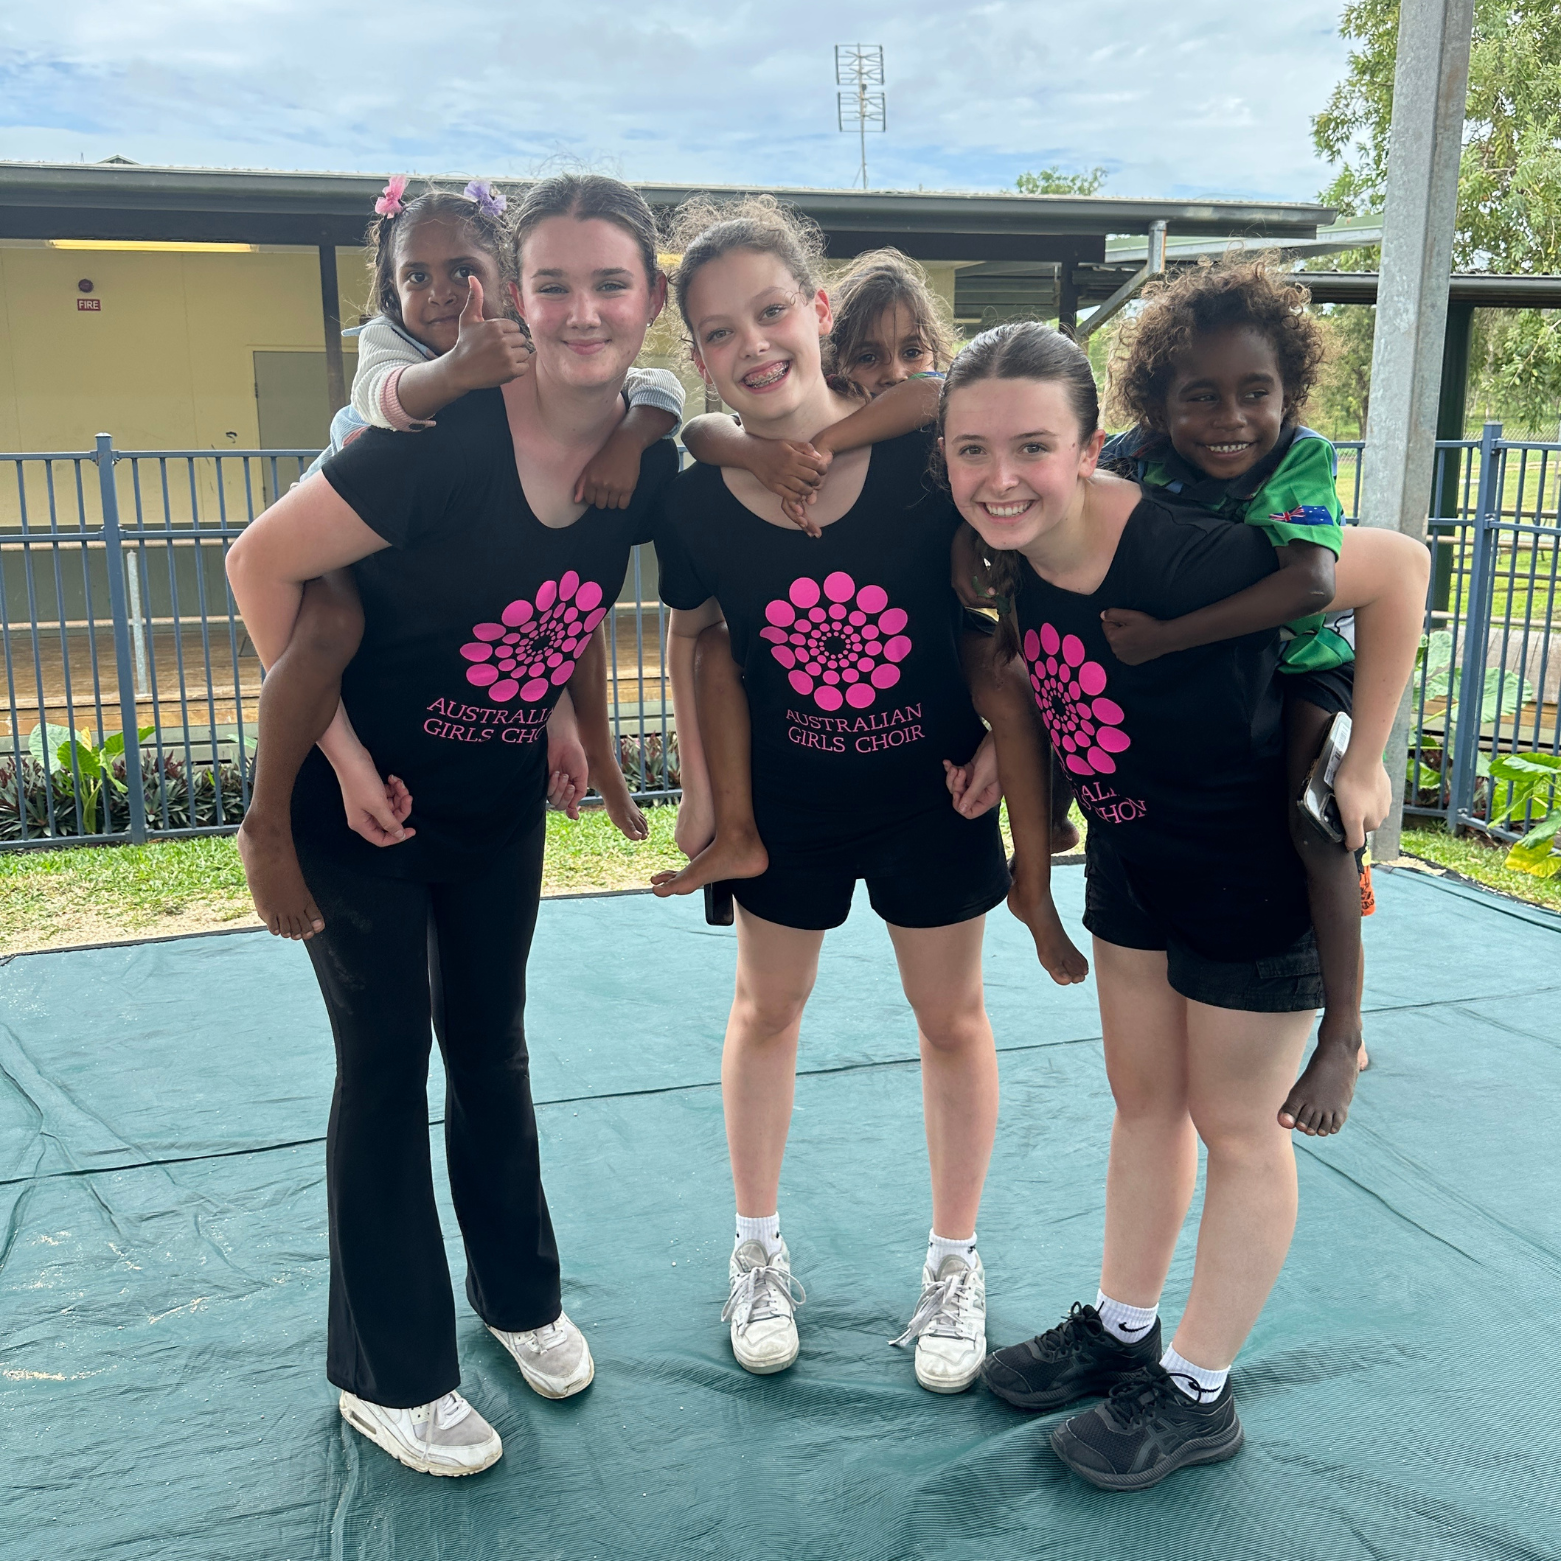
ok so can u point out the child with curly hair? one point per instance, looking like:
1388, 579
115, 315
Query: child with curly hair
1214, 374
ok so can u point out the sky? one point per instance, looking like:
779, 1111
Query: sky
1210, 99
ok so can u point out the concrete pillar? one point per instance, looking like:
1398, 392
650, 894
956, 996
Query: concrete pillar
330, 308
1430, 85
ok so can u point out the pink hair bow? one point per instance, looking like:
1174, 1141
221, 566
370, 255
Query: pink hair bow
389, 202
489, 199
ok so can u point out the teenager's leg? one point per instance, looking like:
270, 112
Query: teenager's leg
1238, 1065
1154, 1148
479, 938
776, 968
392, 1313
1320, 1100
297, 703
726, 734
940, 970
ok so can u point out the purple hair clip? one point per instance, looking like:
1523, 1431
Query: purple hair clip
389, 202
489, 199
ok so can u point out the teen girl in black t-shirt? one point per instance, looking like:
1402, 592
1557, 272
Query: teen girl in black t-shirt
849, 646
1205, 962
482, 584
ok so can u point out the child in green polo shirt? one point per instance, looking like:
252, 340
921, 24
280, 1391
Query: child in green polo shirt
1214, 373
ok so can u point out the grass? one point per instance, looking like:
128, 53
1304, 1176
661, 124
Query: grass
1475, 858
97, 894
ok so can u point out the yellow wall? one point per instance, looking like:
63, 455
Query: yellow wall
167, 363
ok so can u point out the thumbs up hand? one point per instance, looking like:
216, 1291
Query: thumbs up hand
487, 352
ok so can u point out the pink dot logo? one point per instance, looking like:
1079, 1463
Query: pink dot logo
1086, 728
535, 645
837, 643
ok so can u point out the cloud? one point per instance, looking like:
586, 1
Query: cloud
1218, 100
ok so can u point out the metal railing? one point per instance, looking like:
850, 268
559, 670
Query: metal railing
115, 619
1489, 674
131, 688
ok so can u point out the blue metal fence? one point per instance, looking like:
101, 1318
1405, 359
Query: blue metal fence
131, 687
1490, 670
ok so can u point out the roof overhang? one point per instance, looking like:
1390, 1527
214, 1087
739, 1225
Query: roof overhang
246, 206
1481, 290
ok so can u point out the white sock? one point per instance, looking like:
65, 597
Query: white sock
765, 1229
1199, 1383
1127, 1323
940, 1247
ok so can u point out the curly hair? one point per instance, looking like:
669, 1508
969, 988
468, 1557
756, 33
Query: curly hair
704, 229
877, 281
1201, 300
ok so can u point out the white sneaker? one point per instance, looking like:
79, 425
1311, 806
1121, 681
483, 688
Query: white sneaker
447, 1436
949, 1326
761, 1308
555, 1359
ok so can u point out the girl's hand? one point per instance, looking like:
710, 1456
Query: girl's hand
974, 786
1135, 637
487, 353
569, 775
376, 809
794, 471
962, 570
610, 476
1364, 794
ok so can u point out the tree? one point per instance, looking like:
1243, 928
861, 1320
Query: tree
1509, 185
1053, 181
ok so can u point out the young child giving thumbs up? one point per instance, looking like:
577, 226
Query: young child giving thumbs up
444, 280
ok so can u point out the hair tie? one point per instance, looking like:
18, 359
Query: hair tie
389, 202
488, 199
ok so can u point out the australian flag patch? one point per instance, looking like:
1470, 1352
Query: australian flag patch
1305, 515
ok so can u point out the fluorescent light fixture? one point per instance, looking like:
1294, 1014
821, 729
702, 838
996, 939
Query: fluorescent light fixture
155, 245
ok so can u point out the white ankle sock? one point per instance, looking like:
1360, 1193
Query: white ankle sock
765, 1229
1127, 1323
940, 1247
1199, 1383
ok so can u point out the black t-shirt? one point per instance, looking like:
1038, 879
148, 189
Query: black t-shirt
1178, 764
849, 643
475, 616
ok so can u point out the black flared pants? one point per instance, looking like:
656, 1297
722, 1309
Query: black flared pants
400, 962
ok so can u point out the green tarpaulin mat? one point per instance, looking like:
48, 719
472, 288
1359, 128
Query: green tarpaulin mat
163, 1270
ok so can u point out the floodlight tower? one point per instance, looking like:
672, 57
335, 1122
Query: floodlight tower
858, 70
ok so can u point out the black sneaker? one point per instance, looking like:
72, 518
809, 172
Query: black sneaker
1146, 1429
1077, 1358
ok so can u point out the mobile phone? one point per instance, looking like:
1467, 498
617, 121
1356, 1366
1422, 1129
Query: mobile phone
1317, 801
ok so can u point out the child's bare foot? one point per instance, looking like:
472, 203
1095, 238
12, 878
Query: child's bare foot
626, 816
727, 856
1320, 1101
1065, 837
1063, 962
276, 882
1362, 1061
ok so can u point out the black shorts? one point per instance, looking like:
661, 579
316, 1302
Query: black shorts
1286, 981
1332, 690
931, 869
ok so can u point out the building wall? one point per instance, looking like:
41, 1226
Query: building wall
167, 362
